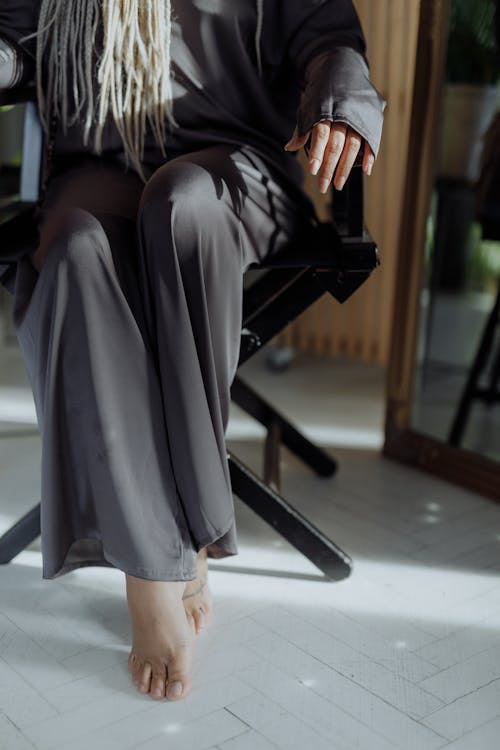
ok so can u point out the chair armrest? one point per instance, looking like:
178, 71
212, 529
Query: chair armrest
347, 205
33, 138
18, 237
18, 231
9, 97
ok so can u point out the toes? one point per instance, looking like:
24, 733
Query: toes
145, 677
132, 663
152, 678
135, 665
179, 681
191, 621
205, 613
200, 618
178, 688
158, 681
196, 619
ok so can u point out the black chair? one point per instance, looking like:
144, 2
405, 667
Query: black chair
483, 378
335, 257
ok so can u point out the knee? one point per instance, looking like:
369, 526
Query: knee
179, 207
71, 235
179, 184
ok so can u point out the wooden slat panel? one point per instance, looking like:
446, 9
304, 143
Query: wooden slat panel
361, 327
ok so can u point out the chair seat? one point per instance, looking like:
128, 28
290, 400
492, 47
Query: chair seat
322, 247
18, 95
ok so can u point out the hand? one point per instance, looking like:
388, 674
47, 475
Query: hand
333, 145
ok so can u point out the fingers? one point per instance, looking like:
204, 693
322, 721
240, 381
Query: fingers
334, 159
368, 159
320, 139
334, 148
349, 155
296, 142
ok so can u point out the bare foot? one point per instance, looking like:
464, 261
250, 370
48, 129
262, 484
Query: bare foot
162, 639
197, 597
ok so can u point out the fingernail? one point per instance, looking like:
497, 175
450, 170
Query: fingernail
175, 689
323, 186
314, 165
341, 183
369, 168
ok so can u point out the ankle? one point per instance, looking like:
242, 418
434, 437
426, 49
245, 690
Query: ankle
151, 587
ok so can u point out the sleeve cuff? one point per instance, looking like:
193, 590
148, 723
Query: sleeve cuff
338, 88
15, 68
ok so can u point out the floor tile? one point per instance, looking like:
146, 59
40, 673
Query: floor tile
403, 654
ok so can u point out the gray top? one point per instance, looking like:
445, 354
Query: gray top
314, 67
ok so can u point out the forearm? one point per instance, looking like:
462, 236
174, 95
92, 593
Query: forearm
340, 112
338, 88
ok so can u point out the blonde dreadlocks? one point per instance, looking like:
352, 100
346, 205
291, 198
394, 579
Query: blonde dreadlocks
133, 71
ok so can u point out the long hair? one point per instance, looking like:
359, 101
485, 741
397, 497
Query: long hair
134, 72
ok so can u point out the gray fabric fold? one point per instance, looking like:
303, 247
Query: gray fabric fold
130, 335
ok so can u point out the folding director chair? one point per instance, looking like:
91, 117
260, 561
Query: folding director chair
335, 257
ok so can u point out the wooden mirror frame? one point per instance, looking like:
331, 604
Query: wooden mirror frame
403, 443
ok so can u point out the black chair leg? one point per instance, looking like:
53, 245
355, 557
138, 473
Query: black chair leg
288, 522
258, 495
261, 410
493, 393
19, 536
471, 389
271, 507
271, 469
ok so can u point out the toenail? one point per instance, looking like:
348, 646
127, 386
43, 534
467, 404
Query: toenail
175, 689
157, 692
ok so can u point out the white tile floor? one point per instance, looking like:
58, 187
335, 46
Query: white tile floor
405, 653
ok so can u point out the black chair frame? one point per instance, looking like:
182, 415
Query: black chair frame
473, 390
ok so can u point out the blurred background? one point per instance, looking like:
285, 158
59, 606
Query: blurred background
461, 252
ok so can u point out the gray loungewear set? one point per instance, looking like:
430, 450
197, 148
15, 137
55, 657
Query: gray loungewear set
130, 333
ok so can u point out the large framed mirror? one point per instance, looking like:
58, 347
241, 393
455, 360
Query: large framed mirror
443, 388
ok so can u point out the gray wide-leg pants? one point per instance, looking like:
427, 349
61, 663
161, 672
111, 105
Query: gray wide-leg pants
130, 335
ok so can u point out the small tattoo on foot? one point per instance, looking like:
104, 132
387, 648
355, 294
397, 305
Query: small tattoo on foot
198, 590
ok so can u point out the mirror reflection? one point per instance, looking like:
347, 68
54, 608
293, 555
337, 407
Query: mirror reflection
457, 377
